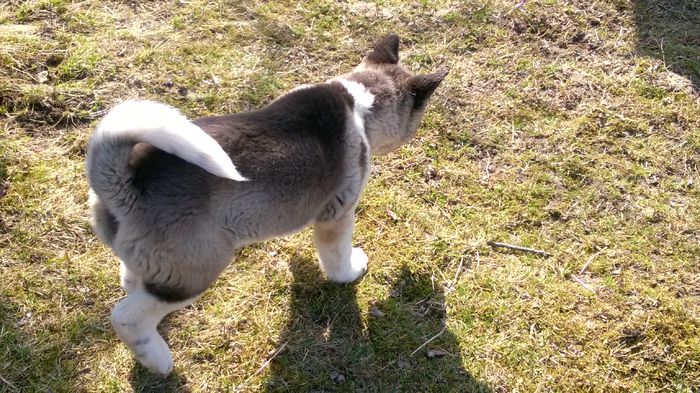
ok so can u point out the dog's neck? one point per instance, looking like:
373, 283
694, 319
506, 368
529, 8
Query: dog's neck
363, 101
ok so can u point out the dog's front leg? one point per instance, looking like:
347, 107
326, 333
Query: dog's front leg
339, 260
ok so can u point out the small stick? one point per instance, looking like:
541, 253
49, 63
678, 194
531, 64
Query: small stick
459, 270
488, 166
519, 248
267, 362
583, 284
583, 269
8, 383
429, 340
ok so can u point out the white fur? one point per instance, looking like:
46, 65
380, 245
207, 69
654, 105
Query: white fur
363, 103
339, 260
363, 98
165, 128
130, 282
135, 319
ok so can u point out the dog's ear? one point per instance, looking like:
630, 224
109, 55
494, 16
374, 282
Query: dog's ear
421, 87
385, 51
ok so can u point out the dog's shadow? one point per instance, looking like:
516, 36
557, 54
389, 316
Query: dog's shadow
330, 346
667, 30
142, 380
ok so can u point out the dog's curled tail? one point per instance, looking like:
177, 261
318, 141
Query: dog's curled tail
158, 125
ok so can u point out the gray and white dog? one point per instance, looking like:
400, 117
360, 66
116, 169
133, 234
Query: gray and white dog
175, 198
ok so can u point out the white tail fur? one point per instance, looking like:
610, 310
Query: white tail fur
165, 128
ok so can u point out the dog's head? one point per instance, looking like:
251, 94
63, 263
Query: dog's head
399, 97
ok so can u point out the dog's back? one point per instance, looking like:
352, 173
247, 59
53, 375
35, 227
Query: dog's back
184, 223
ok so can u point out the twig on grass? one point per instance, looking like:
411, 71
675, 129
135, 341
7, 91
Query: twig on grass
8, 383
429, 340
267, 362
459, 270
519, 248
583, 269
583, 284
520, 6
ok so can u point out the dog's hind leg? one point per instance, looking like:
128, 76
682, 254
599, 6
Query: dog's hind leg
339, 260
129, 280
102, 220
135, 319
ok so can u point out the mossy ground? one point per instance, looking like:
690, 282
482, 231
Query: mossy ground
571, 127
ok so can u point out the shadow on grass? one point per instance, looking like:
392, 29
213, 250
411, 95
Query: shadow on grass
143, 380
331, 347
33, 362
669, 30
4, 186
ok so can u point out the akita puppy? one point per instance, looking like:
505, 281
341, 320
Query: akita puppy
175, 198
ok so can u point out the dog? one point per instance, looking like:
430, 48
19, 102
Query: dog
175, 198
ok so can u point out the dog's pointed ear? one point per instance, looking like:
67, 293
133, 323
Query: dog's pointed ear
385, 51
421, 87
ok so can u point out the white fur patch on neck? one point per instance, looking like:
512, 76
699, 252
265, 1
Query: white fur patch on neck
363, 101
362, 97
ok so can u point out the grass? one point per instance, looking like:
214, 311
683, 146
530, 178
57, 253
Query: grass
572, 127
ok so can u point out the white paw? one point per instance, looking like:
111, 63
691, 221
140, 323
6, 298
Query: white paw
147, 345
352, 271
153, 353
149, 349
